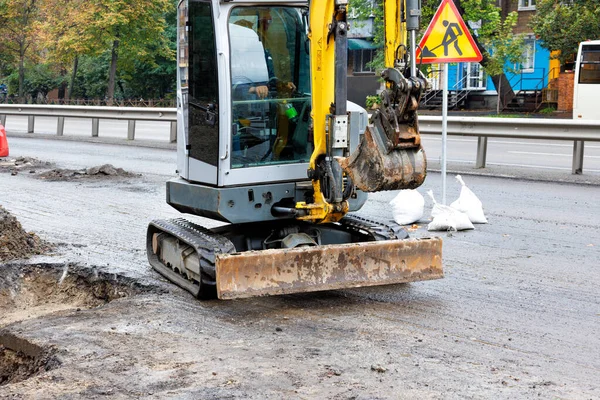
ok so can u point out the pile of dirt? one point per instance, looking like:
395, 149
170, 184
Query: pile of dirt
15, 243
48, 171
34, 290
21, 359
22, 164
106, 170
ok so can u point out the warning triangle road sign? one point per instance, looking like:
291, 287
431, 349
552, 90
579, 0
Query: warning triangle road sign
447, 38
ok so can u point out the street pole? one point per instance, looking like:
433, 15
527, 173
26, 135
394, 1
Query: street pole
444, 130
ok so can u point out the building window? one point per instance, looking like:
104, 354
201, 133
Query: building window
528, 60
362, 58
526, 4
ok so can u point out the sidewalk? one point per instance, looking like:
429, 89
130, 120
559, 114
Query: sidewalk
492, 114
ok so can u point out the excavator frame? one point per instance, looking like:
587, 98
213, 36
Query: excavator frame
297, 235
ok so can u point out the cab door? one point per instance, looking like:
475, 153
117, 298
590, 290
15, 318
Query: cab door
199, 89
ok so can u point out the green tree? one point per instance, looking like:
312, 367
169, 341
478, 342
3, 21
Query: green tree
68, 34
506, 52
154, 78
133, 30
39, 80
499, 46
19, 28
561, 25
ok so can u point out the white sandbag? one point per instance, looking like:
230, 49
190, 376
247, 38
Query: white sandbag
446, 218
443, 222
468, 203
407, 206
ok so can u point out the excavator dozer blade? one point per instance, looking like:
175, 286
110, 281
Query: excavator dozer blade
374, 168
309, 269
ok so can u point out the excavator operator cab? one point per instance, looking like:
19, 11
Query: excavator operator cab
244, 93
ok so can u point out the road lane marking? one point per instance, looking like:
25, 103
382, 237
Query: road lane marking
521, 165
548, 154
534, 142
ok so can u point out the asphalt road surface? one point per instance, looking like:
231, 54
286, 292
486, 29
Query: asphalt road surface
516, 316
536, 155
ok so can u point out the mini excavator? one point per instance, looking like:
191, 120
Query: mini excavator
268, 144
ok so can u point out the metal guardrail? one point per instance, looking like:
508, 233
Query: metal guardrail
130, 114
167, 103
517, 128
483, 128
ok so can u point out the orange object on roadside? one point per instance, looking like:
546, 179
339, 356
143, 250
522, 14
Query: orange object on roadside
3, 142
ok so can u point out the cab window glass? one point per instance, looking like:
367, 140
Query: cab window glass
270, 86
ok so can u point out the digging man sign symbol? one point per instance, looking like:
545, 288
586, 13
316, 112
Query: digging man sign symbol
447, 38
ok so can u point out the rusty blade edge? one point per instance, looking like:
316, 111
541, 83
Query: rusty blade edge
282, 271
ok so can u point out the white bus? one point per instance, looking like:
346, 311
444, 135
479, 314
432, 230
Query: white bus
586, 88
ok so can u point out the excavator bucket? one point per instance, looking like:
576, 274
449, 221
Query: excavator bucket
374, 167
309, 269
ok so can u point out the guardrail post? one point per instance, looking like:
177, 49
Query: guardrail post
481, 151
173, 137
131, 130
95, 126
60, 126
3, 120
577, 157
30, 123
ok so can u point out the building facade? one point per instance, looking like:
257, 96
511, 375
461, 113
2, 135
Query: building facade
472, 88
362, 78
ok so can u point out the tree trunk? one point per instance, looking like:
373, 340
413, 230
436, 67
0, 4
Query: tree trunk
110, 94
120, 84
22, 75
73, 75
499, 96
505, 92
62, 89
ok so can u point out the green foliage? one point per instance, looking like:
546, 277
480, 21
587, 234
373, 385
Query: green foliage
562, 25
547, 110
19, 28
505, 48
41, 39
366, 9
507, 116
372, 100
148, 81
39, 80
91, 82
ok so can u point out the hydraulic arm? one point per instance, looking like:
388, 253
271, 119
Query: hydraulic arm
389, 155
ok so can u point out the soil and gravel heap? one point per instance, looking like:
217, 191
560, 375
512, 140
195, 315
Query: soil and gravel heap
106, 170
48, 171
21, 164
15, 243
